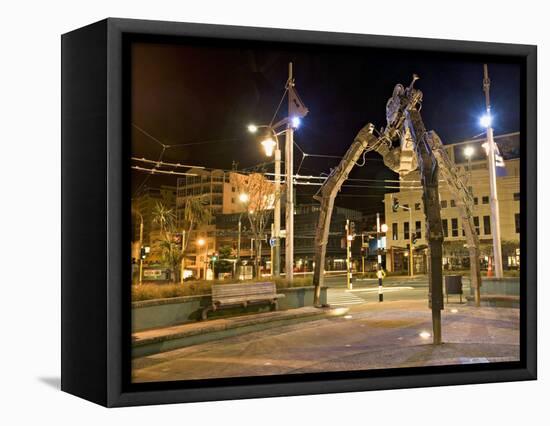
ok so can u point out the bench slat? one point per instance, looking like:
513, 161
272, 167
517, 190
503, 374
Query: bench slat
240, 294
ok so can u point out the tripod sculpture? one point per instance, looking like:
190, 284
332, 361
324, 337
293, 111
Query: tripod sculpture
405, 145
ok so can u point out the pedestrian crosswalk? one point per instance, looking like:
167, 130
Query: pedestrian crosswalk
340, 297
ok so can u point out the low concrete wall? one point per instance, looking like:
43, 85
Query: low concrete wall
506, 286
179, 310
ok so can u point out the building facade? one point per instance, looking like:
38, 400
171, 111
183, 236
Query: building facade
226, 233
403, 224
221, 190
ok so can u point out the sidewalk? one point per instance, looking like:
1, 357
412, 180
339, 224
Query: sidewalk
157, 340
370, 336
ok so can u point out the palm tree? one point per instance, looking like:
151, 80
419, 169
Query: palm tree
195, 214
165, 218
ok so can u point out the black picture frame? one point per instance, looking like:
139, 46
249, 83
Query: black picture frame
95, 210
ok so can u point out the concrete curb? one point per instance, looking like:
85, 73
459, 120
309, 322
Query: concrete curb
161, 340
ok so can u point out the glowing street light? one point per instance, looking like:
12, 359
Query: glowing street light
252, 128
384, 228
201, 242
295, 121
485, 120
269, 145
243, 197
469, 151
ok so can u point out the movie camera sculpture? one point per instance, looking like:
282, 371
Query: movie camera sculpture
405, 145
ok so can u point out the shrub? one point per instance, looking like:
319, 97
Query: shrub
195, 288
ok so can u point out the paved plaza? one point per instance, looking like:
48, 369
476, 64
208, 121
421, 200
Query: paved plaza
391, 334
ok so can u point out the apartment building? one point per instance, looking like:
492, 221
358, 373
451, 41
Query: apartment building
405, 223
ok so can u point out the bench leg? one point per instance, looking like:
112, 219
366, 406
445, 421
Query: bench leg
275, 305
204, 315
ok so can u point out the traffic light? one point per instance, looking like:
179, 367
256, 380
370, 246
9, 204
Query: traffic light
395, 205
214, 257
352, 228
144, 251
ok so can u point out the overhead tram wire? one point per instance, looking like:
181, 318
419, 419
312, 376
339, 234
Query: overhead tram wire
169, 146
164, 147
162, 172
167, 164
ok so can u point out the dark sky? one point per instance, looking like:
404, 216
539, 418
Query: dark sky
205, 95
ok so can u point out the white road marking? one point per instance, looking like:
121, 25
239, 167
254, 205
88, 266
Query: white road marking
384, 289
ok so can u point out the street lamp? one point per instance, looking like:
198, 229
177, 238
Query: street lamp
202, 242
485, 120
271, 145
296, 110
243, 197
493, 200
469, 152
140, 278
384, 228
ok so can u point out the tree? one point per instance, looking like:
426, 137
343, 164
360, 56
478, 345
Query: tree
195, 214
261, 200
171, 249
223, 264
173, 244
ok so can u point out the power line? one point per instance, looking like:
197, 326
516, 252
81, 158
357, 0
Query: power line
167, 146
162, 172
167, 164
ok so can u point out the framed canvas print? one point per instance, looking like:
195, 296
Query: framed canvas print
253, 212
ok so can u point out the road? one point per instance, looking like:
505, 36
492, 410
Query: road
394, 289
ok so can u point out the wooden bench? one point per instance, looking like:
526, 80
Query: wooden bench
242, 294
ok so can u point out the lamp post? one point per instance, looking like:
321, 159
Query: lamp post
271, 146
468, 153
349, 239
380, 228
140, 278
202, 242
395, 207
495, 215
296, 110
243, 198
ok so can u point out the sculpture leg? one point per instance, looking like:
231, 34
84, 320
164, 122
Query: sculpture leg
429, 177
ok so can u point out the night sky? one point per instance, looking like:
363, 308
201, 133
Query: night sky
204, 95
